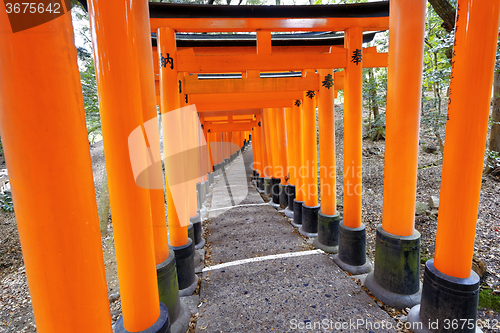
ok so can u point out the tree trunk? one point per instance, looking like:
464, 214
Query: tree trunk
373, 102
494, 144
103, 206
446, 12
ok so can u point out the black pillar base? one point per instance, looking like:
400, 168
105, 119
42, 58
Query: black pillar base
290, 192
168, 289
254, 177
260, 184
199, 242
267, 186
184, 257
199, 201
283, 196
309, 226
191, 231
297, 213
328, 233
396, 277
201, 191
275, 191
446, 297
207, 189
162, 325
352, 250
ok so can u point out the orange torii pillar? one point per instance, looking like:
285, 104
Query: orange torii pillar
283, 160
220, 154
328, 217
291, 167
259, 141
218, 146
451, 289
277, 169
352, 233
206, 153
298, 116
269, 152
196, 171
173, 136
193, 155
255, 160
165, 258
266, 162
227, 152
41, 105
212, 149
310, 207
257, 163
207, 156
120, 100
230, 146
396, 276
209, 147
196, 153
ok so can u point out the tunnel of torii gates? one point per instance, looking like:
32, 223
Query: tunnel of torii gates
266, 88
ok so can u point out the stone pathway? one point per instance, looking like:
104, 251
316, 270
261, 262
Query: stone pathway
286, 294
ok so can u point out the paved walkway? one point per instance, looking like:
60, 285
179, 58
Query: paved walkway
298, 290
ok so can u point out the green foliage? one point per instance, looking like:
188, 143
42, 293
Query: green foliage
432, 121
377, 129
374, 99
87, 76
436, 79
90, 100
375, 88
6, 202
489, 300
493, 160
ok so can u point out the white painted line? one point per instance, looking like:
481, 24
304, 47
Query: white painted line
246, 205
231, 186
270, 257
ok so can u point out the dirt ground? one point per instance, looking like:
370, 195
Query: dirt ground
15, 303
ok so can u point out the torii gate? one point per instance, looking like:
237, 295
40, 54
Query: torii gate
174, 62
126, 89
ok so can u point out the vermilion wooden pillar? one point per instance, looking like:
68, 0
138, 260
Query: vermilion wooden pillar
353, 123
328, 218
179, 141
170, 102
45, 141
451, 288
326, 116
310, 208
352, 233
118, 82
146, 72
298, 115
397, 251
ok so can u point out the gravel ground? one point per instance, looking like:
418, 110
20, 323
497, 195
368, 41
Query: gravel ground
15, 304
